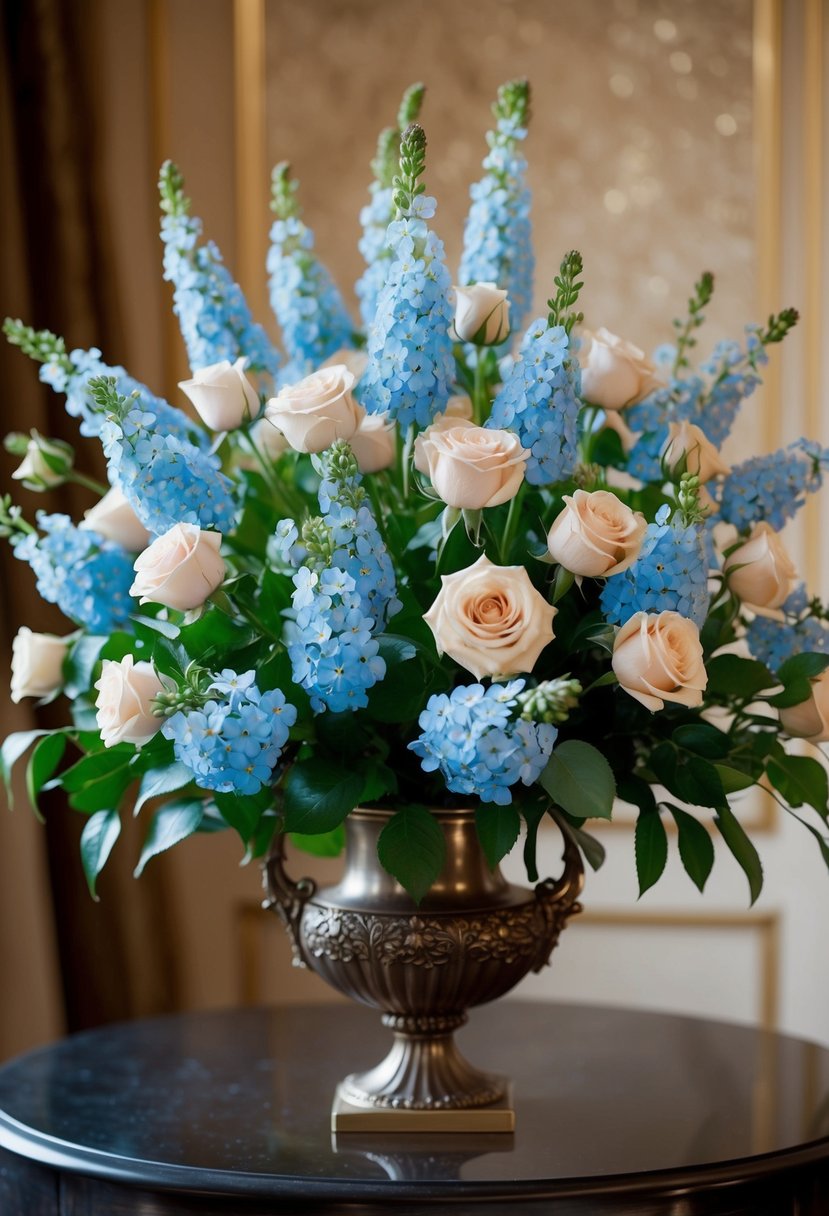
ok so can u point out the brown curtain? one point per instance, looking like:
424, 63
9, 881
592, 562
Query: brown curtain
115, 957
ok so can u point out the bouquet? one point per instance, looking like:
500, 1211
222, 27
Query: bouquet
455, 557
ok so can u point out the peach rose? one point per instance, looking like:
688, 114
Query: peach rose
596, 534
223, 396
355, 360
443, 422
491, 619
614, 373
317, 410
125, 702
481, 314
473, 466
37, 664
458, 406
114, 518
374, 443
760, 571
657, 657
180, 569
701, 457
810, 719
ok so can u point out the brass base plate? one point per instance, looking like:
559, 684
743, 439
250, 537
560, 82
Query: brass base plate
498, 1117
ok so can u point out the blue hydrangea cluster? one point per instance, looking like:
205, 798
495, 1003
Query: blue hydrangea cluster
773, 641
649, 418
88, 363
375, 218
539, 400
166, 480
305, 300
480, 747
774, 487
215, 319
86, 575
234, 742
410, 362
732, 369
497, 238
669, 575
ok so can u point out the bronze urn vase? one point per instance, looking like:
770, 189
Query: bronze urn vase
470, 940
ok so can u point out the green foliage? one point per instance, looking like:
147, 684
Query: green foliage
562, 305
696, 849
100, 832
498, 829
412, 849
318, 794
580, 780
651, 848
412, 164
173, 822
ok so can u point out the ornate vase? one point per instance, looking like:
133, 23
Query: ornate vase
471, 939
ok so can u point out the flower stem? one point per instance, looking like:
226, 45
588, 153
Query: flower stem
511, 524
89, 483
480, 391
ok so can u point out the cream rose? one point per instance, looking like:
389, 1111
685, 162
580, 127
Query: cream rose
458, 406
374, 443
810, 719
443, 422
481, 314
317, 410
596, 534
125, 702
180, 569
687, 442
355, 360
491, 619
35, 470
657, 657
474, 467
114, 518
760, 571
37, 664
614, 373
222, 395
270, 442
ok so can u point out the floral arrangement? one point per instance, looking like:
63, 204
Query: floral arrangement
454, 557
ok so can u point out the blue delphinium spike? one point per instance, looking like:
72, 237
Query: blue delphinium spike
305, 300
215, 319
410, 362
86, 575
166, 481
380, 211
497, 239
481, 747
669, 575
774, 641
773, 488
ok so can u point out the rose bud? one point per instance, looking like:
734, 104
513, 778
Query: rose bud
114, 518
374, 443
810, 719
759, 571
46, 462
614, 373
472, 467
180, 569
125, 702
270, 441
318, 410
491, 619
596, 534
689, 448
657, 657
37, 664
481, 314
223, 396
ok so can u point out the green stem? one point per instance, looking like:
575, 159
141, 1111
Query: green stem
406, 462
511, 524
272, 481
89, 483
480, 392
371, 486
589, 415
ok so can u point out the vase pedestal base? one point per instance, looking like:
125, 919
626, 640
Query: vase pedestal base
347, 1116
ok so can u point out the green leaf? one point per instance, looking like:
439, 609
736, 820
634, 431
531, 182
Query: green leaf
157, 781
169, 825
579, 779
744, 851
395, 649
498, 828
412, 849
687, 776
99, 781
651, 846
800, 779
79, 664
734, 779
99, 834
696, 849
43, 761
802, 666
13, 747
243, 812
592, 849
729, 675
702, 739
319, 795
215, 636
636, 791
533, 813
379, 780
324, 844
795, 693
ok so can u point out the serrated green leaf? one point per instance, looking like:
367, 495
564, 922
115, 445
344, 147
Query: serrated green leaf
696, 848
157, 781
651, 847
498, 828
579, 779
170, 824
743, 850
319, 795
412, 848
43, 762
800, 779
324, 844
99, 834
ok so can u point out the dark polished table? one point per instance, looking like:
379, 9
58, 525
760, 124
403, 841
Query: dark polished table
618, 1112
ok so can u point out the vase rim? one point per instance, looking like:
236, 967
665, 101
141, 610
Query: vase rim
463, 813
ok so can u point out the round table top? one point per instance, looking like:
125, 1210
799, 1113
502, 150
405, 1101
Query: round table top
238, 1103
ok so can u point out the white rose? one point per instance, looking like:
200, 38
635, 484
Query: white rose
374, 443
317, 411
355, 360
491, 619
125, 702
114, 518
760, 571
222, 394
481, 314
657, 657
614, 373
596, 534
179, 569
810, 719
34, 468
443, 422
701, 457
37, 664
474, 467
270, 442
458, 406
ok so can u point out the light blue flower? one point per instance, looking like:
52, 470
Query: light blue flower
669, 575
773, 488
